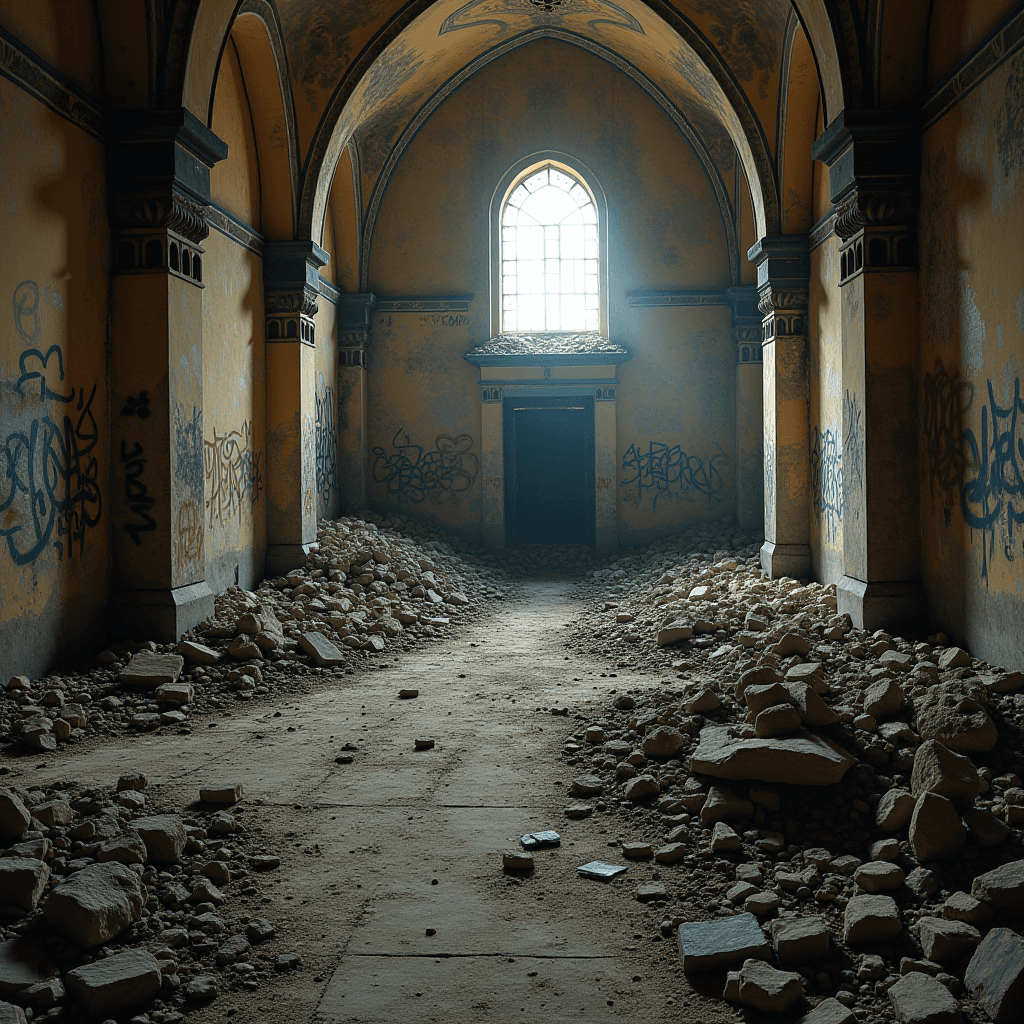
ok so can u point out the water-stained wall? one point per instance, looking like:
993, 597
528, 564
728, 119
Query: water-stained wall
55, 469
972, 366
234, 367
675, 401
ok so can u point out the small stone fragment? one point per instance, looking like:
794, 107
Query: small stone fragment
164, 836
936, 831
921, 999
643, 787
221, 794
894, 810
724, 838
148, 670
870, 919
962, 907
579, 810
408, 694
829, 1011
995, 975
198, 653
664, 741
649, 892
93, 905
14, 816
937, 769
944, 940
722, 804
201, 988
1002, 888
879, 876
799, 940
423, 744
712, 945
763, 988
321, 650
637, 851
517, 860
259, 929
778, 720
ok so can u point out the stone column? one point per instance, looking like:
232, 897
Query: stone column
354, 328
874, 167
783, 272
291, 289
749, 456
159, 180
492, 465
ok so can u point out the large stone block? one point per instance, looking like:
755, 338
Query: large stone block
921, 999
119, 982
803, 760
712, 945
937, 769
870, 919
164, 836
93, 905
936, 831
1002, 888
22, 881
995, 975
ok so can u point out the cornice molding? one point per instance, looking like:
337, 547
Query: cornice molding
1002, 43
28, 71
677, 298
821, 230
238, 231
425, 304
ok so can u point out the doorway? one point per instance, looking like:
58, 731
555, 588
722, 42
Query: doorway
549, 470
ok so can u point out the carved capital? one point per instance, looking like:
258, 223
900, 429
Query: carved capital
891, 206
776, 300
303, 300
163, 209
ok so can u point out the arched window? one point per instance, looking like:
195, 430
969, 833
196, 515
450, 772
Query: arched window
549, 254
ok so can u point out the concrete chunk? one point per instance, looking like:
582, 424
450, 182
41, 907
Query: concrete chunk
147, 670
936, 831
894, 810
712, 945
829, 1011
198, 653
118, 982
870, 919
937, 769
920, 999
799, 940
22, 881
1002, 888
944, 940
804, 759
95, 904
321, 650
164, 836
223, 794
14, 815
23, 963
763, 988
995, 975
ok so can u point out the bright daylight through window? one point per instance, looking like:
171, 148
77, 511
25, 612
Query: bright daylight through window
549, 279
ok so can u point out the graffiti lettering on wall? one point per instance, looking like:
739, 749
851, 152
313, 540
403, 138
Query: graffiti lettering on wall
445, 319
853, 440
668, 472
413, 474
137, 405
986, 466
234, 474
49, 490
136, 493
994, 496
188, 537
769, 480
326, 446
188, 451
944, 406
827, 477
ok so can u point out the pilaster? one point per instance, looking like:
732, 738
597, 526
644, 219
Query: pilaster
355, 321
159, 179
291, 290
874, 167
749, 455
783, 272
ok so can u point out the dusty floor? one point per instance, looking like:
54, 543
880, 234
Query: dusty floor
376, 852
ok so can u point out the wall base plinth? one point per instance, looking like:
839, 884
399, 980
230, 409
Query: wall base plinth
786, 559
282, 558
883, 604
160, 615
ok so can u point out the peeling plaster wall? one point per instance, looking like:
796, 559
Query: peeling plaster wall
55, 467
665, 232
826, 413
234, 365
972, 368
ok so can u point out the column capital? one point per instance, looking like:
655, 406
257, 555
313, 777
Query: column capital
746, 323
291, 287
158, 170
355, 311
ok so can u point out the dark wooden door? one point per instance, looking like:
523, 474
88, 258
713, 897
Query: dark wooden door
550, 491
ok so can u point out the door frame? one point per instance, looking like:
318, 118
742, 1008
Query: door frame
535, 401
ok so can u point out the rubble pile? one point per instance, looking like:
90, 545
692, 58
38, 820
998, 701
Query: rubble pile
373, 587
851, 801
112, 902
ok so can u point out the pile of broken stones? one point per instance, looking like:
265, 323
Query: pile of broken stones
370, 589
112, 904
833, 817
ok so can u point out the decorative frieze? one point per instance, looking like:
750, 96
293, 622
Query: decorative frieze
677, 298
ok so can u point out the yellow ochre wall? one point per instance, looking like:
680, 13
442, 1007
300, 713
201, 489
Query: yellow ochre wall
665, 232
972, 367
54, 432
234, 365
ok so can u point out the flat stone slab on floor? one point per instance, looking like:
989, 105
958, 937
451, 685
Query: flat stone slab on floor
147, 670
805, 759
712, 945
411, 990
321, 650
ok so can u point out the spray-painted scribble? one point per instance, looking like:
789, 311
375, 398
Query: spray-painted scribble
136, 493
50, 489
827, 477
137, 405
769, 482
945, 403
666, 471
188, 539
188, 451
853, 441
412, 473
234, 474
326, 446
994, 496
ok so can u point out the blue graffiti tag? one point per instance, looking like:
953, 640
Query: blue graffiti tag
998, 462
413, 473
670, 473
